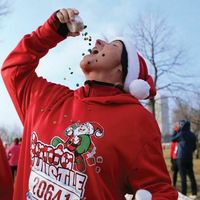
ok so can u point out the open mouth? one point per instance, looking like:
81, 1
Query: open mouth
94, 51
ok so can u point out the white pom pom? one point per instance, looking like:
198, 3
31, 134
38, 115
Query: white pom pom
143, 195
139, 89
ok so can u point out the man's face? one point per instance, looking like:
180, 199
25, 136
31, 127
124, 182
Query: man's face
103, 57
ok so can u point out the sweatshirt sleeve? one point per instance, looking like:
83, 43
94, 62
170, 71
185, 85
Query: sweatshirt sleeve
176, 137
150, 172
18, 71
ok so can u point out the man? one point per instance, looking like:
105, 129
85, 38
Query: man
6, 183
97, 142
186, 146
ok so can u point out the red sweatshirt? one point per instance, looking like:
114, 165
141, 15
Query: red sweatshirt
6, 183
96, 142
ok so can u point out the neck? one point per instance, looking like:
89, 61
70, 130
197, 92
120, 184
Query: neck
105, 77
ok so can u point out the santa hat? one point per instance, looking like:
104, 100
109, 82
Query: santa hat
137, 82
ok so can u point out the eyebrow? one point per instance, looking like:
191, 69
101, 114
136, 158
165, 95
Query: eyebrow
117, 41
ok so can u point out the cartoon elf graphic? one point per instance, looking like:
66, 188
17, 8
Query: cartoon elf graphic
79, 142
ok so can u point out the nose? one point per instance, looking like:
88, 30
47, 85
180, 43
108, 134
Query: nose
100, 43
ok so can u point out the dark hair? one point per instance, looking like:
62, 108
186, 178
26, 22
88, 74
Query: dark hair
124, 62
16, 141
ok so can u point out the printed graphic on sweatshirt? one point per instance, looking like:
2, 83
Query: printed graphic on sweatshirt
58, 169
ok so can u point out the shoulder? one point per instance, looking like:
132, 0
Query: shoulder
142, 115
144, 122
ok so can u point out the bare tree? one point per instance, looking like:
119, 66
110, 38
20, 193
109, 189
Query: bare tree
3, 8
189, 110
8, 133
4, 11
155, 42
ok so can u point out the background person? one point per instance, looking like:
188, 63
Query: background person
173, 154
186, 146
13, 156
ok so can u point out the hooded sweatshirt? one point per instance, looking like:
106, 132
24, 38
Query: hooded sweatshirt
186, 142
96, 142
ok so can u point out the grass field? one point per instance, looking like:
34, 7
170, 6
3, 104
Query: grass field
196, 163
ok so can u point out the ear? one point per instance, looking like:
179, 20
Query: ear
119, 69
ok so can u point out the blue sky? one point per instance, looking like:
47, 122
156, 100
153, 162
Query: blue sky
103, 17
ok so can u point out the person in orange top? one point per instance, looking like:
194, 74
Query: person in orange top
6, 183
173, 155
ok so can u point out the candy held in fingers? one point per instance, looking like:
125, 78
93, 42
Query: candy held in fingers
76, 24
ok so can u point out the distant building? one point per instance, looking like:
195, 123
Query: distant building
162, 114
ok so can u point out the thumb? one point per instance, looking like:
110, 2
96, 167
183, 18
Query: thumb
74, 34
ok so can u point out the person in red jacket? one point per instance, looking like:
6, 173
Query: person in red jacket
95, 142
6, 183
173, 154
13, 156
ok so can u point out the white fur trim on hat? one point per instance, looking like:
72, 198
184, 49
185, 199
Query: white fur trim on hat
133, 62
139, 89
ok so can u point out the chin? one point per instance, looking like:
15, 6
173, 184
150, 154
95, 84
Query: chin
87, 63
84, 67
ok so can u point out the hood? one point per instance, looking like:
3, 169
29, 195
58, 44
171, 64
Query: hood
184, 125
104, 93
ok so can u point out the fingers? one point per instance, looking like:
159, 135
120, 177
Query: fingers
76, 11
67, 15
60, 17
74, 34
